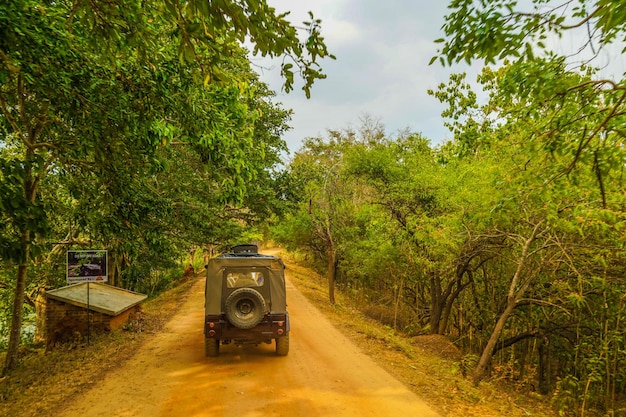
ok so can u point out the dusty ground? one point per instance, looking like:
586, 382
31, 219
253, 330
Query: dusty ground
325, 374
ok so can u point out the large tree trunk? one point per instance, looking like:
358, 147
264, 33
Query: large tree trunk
447, 309
452, 293
436, 307
33, 173
30, 184
18, 306
517, 288
479, 372
545, 370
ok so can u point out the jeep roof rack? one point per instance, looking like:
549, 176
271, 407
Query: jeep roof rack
245, 249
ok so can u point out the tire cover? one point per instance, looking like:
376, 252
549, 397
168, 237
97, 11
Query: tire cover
245, 308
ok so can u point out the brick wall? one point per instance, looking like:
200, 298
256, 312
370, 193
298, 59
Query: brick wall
67, 322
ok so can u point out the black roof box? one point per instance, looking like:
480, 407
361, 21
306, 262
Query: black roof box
245, 249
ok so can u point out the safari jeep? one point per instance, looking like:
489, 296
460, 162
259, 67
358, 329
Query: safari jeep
245, 301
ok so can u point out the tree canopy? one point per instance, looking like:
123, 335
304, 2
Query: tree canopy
509, 238
139, 127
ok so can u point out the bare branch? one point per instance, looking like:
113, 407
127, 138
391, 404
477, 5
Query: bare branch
584, 21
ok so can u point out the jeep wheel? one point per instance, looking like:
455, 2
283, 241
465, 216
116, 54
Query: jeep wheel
211, 347
282, 345
245, 308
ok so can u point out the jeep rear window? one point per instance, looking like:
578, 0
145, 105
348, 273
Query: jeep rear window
244, 278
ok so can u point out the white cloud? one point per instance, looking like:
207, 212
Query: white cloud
340, 32
383, 50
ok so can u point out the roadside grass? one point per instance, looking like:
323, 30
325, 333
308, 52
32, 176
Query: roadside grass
426, 368
43, 381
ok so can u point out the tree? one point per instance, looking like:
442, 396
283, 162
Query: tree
327, 195
498, 30
319, 165
82, 80
549, 172
411, 187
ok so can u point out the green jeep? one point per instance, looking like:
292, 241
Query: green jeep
245, 301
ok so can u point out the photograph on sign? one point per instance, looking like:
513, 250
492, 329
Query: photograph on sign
86, 266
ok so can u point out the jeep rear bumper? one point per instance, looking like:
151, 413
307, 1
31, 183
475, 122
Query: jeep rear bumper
271, 327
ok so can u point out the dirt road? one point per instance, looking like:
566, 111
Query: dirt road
324, 375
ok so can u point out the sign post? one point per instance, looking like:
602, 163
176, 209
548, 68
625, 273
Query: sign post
87, 266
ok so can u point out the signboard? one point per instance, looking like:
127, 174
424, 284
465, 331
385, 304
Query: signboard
86, 266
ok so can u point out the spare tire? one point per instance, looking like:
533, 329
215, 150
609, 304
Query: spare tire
245, 308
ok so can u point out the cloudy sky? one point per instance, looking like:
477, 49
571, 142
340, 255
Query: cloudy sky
383, 49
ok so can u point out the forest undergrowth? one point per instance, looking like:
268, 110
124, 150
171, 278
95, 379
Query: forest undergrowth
430, 365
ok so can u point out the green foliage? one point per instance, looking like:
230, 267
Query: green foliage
454, 236
555, 137
570, 110
207, 32
138, 127
293, 231
498, 29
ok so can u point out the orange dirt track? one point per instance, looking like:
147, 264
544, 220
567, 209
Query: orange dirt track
324, 374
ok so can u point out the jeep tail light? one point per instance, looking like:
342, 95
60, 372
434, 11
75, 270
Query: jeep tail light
211, 333
212, 325
280, 331
281, 323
